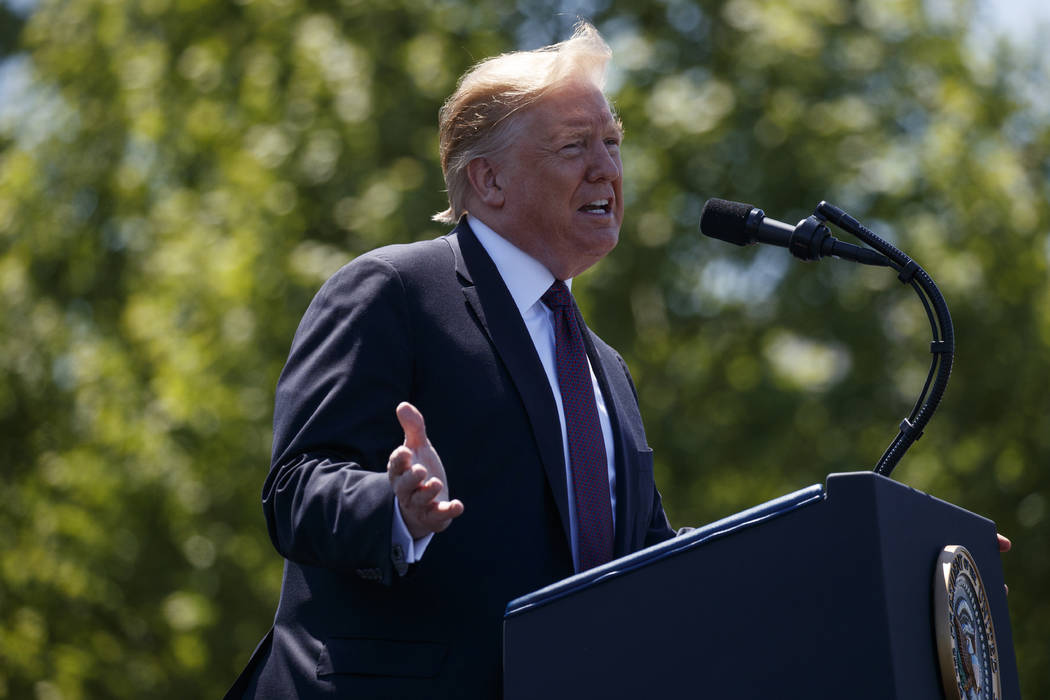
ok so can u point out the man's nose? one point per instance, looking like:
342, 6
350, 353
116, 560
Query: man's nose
604, 164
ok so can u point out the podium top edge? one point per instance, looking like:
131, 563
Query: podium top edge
686, 541
888, 488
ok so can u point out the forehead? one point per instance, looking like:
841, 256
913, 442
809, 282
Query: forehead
572, 108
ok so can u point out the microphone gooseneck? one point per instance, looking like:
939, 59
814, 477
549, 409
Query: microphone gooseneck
942, 346
811, 239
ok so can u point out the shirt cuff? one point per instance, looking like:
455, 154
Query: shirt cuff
404, 549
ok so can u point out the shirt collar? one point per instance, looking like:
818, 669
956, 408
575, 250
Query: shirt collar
525, 276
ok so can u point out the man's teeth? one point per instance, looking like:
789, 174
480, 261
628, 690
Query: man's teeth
597, 205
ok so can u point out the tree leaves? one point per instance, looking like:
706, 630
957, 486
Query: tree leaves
177, 178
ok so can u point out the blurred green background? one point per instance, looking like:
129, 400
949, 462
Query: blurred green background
177, 177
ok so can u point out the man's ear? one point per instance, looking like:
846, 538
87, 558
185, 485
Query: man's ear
485, 181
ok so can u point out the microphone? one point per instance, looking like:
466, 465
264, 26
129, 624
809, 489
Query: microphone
743, 224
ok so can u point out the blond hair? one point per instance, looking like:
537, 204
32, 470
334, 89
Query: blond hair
479, 119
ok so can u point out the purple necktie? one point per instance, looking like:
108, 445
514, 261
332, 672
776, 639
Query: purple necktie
590, 471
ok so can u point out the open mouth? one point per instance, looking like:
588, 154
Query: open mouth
598, 206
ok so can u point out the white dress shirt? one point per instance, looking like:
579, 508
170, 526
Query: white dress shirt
527, 280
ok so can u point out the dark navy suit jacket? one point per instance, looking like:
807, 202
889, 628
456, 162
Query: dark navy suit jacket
431, 323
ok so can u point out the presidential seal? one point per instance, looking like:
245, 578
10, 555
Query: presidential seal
966, 645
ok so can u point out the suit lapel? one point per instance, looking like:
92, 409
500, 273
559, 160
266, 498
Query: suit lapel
496, 313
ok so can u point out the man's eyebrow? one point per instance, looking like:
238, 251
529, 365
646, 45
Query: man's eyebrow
573, 131
583, 127
574, 126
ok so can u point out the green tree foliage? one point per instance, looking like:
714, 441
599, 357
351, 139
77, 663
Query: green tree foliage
179, 176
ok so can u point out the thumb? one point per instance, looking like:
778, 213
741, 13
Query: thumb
412, 423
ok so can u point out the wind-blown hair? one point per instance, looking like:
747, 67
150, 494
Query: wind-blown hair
482, 116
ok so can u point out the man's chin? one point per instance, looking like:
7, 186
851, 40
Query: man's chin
606, 238
599, 243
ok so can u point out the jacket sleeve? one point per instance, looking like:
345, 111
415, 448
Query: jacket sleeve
327, 499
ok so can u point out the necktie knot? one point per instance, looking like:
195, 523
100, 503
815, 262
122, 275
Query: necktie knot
557, 296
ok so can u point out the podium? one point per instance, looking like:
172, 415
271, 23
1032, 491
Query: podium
827, 592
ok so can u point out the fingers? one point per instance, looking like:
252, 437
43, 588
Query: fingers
422, 497
451, 509
400, 461
412, 423
424, 492
440, 514
422, 509
1004, 546
419, 495
405, 479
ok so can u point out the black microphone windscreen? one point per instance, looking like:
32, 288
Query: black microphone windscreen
726, 221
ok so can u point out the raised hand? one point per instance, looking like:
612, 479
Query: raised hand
419, 479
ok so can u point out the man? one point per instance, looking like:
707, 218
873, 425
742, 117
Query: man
530, 419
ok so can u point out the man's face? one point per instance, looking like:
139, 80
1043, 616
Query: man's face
562, 180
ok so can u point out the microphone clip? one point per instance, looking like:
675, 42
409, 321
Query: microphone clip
811, 239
